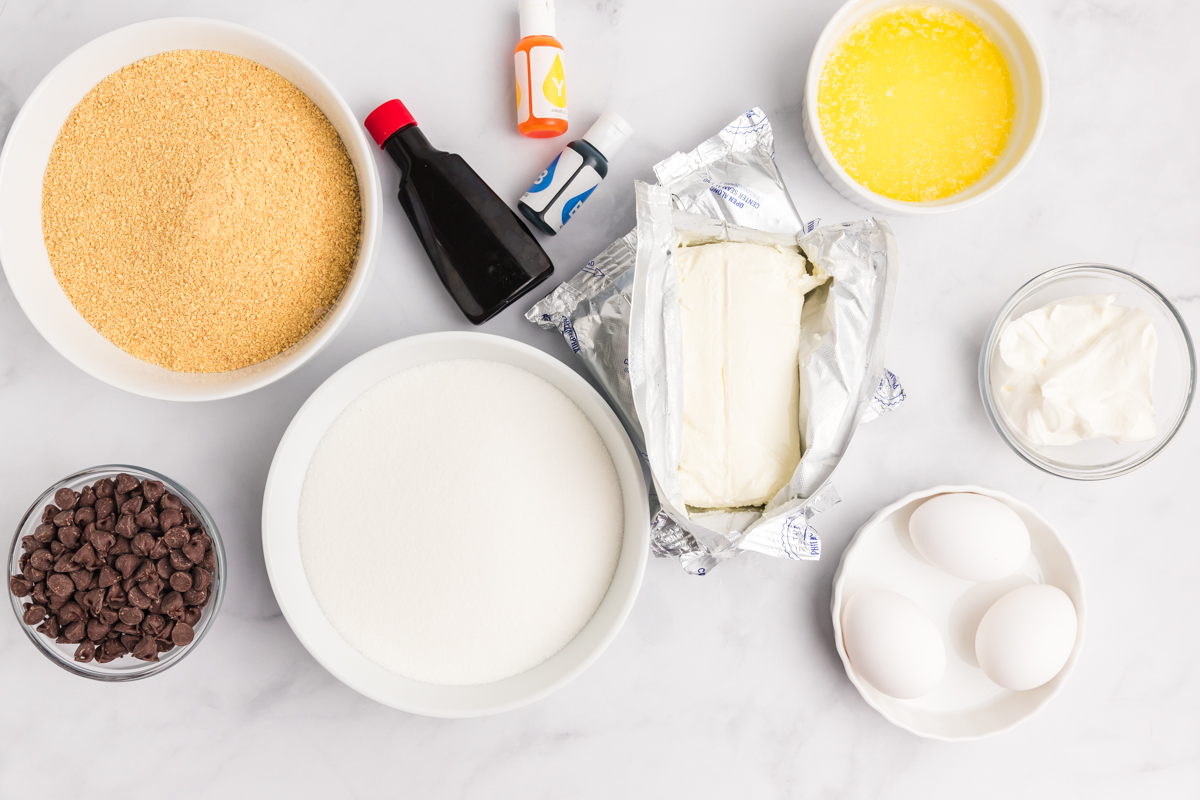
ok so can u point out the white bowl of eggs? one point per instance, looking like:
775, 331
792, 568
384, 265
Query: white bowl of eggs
958, 612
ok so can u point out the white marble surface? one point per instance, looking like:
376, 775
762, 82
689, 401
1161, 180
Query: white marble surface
720, 686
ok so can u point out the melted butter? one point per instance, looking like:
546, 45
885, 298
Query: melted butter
916, 103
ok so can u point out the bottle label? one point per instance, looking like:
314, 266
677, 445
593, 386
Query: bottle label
571, 198
553, 179
522, 64
547, 82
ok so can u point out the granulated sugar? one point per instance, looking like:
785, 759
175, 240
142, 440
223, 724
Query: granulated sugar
460, 522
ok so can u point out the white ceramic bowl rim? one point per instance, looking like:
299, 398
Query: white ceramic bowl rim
996, 417
22, 164
281, 547
862, 194
836, 604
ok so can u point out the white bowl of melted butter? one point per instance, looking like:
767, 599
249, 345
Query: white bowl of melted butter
1087, 372
899, 121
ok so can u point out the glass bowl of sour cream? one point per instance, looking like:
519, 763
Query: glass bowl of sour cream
1087, 372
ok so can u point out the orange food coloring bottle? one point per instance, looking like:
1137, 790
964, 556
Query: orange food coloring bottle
541, 81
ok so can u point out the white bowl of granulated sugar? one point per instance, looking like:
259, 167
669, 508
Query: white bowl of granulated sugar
455, 524
219, 253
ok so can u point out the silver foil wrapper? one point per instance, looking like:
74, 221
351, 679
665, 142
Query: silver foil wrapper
730, 178
843, 329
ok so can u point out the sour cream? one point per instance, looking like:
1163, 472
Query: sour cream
1079, 368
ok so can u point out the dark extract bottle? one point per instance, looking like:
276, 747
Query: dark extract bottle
484, 255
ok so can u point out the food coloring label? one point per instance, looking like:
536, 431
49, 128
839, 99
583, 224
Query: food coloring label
522, 64
547, 82
571, 198
552, 179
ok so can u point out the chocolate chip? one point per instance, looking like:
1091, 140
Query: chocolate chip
189, 520
191, 615
169, 518
87, 496
20, 586
131, 615
108, 616
177, 537
171, 501
55, 602
137, 598
210, 561
82, 579
93, 601
152, 588
50, 628
60, 585
153, 624
84, 516
132, 506
45, 533
142, 543
104, 487
146, 518
65, 498
70, 612
41, 559
75, 632
172, 604
180, 561
145, 571
101, 541
116, 597
153, 490
34, 614
107, 524
85, 556
181, 581
64, 518
146, 649
38, 594
85, 652
127, 565
69, 536
126, 526
105, 507
97, 630
195, 597
64, 563
194, 551
126, 483
182, 634
120, 546
49, 513
159, 550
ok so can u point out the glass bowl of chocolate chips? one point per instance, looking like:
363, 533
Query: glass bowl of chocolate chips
115, 573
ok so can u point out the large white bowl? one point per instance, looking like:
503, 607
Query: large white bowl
281, 540
1030, 87
23, 164
965, 704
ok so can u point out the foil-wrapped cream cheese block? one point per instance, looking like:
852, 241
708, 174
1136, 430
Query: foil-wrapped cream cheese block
740, 306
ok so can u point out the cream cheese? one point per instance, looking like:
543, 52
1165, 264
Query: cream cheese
740, 307
1079, 368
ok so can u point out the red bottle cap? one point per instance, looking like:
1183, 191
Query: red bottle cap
386, 120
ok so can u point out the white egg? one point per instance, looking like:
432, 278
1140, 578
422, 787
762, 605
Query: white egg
970, 536
893, 644
1026, 637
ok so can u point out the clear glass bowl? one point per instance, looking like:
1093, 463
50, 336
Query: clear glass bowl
1174, 371
125, 668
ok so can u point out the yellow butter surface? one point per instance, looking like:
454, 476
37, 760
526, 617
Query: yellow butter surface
916, 103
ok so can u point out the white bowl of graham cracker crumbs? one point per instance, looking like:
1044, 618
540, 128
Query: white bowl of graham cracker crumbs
187, 272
